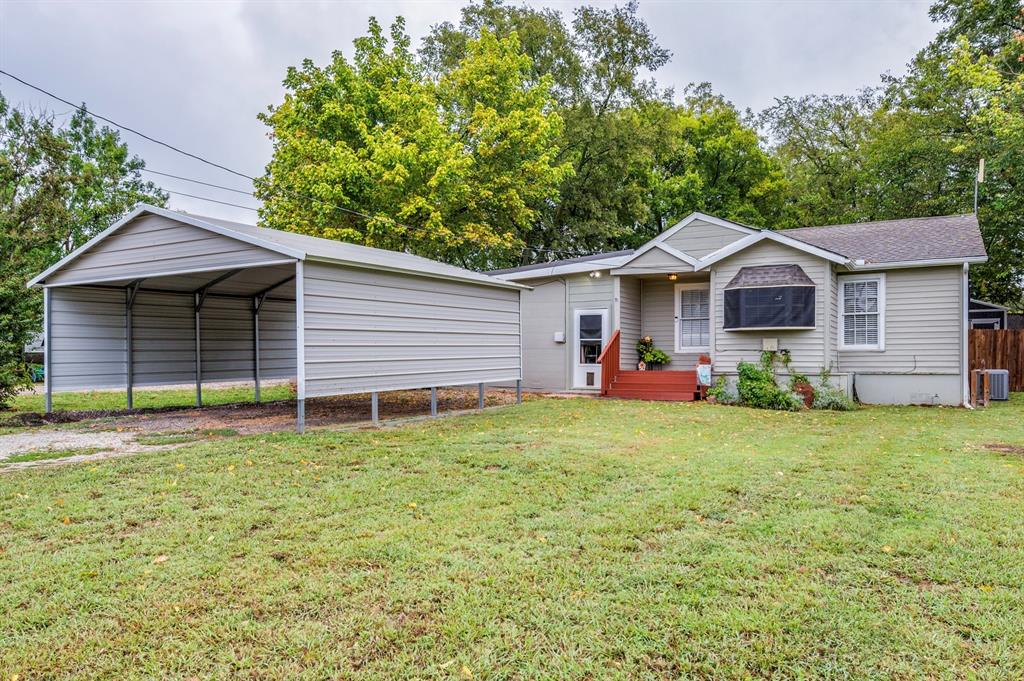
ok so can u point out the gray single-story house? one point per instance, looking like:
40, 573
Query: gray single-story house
882, 305
163, 297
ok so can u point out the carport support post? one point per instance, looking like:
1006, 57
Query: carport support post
198, 304
433, 401
300, 348
257, 303
519, 391
374, 408
129, 354
480, 395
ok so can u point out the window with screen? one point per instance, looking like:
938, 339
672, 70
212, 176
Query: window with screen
769, 297
861, 305
770, 307
693, 330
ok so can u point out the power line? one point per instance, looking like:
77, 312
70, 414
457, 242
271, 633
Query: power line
219, 166
204, 198
125, 127
206, 184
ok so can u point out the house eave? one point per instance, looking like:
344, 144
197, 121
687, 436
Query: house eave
855, 266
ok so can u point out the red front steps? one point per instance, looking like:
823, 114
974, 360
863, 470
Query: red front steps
676, 386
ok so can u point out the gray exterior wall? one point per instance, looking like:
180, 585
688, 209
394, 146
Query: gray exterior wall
89, 339
732, 347
655, 260
922, 325
700, 238
658, 320
372, 330
921, 363
587, 293
630, 323
150, 245
544, 360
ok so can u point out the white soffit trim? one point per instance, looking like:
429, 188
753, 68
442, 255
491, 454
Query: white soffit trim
757, 237
142, 209
718, 222
557, 270
903, 264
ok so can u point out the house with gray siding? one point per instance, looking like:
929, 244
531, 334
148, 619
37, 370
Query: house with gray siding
163, 297
883, 306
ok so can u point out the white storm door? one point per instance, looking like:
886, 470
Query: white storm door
590, 332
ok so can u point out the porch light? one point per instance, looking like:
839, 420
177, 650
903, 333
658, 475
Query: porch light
595, 274
673, 276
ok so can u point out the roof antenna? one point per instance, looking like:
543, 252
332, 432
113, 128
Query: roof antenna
978, 179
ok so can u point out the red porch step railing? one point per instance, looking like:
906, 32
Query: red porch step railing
609, 361
643, 385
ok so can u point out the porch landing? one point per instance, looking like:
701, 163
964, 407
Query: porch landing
670, 386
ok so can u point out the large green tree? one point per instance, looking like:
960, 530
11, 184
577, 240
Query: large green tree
455, 167
912, 148
598, 64
59, 186
710, 159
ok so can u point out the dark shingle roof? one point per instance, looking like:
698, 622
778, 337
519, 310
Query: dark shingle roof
568, 261
937, 238
770, 275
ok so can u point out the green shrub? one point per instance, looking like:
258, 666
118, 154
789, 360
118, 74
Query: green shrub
827, 396
721, 391
758, 388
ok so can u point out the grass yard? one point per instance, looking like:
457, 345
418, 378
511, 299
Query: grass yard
145, 399
560, 539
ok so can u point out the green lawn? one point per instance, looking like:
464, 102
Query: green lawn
558, 539
145, 399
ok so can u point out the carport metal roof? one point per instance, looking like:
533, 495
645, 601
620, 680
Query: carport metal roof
288, 244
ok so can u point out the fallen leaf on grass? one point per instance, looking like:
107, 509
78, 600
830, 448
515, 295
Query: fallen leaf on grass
466, 672
67, 520
160, 559
887, 548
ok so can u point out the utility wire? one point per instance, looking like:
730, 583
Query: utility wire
204, 198
205, 184
213, 164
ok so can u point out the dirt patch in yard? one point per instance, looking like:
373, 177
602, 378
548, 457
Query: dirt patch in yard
248, 419
108, 434
1002, 448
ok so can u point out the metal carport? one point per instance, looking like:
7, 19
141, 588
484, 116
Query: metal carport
163, 297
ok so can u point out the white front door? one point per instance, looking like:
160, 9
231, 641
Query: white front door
589, 335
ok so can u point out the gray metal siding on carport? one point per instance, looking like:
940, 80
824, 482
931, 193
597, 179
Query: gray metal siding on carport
372, 330
151, 245
88, 339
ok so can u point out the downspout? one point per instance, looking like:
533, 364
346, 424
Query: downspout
964, 367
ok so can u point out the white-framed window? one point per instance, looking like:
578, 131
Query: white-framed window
693, 317
862, 312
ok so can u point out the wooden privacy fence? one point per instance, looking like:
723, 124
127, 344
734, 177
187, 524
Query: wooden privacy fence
998, 349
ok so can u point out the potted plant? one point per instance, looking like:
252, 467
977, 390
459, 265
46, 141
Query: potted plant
649, 357
799, 384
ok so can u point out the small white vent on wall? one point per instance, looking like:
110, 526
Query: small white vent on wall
770, 344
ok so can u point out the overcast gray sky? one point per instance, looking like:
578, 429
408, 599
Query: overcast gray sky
195, 74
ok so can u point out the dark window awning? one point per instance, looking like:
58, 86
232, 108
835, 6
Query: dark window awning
769, 275
770, 297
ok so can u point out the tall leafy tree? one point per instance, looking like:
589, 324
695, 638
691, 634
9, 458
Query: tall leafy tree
59, 186
710, 159
912, 148
455, 167
597, 63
